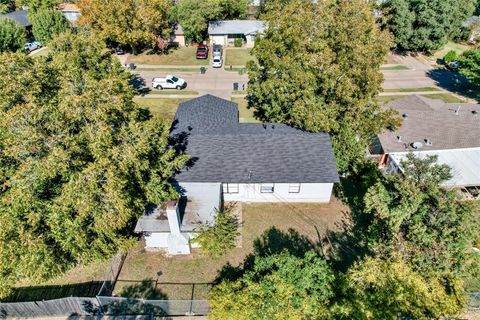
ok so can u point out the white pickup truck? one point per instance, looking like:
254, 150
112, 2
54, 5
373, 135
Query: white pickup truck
169, 82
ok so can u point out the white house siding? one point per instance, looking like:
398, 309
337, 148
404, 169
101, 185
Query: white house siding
309, 192
218, 40
156, 240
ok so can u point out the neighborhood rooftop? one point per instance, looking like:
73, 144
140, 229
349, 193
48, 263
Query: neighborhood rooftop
20, 16
434, 124
244, 27
224, 150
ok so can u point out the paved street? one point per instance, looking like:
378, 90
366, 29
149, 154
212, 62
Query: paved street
215, 81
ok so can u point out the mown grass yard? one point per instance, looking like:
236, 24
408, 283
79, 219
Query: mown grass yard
154, 274
459, 48
446, 97
245, 114
237, 57
176, 57
162, 107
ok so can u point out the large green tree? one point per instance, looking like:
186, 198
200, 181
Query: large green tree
48, 23
12, 35
136, 23
319, 69
194, 15
426, 25
414, 216
280, 286
79, 159
470, 66
36, 5
390, 289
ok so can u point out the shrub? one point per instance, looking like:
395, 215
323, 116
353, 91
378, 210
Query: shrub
12, 35
450, 56
238, 42
218, 238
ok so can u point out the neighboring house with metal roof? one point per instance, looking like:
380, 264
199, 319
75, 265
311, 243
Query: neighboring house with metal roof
451, 131
178, 35
232, 161
20, 16
224, 32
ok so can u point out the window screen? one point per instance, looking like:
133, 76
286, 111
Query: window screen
266, 188
294, 188
230, 188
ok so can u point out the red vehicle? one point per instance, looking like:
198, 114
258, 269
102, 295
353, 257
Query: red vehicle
202, 52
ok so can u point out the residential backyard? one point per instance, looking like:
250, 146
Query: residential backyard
162, 107
245, 114
184, 56
266, 226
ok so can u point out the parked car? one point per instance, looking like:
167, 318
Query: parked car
454, 65
217, 50
119, 50
217, 62
202, 52
30, 46
169, 82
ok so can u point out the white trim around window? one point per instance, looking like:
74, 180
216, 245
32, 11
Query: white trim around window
267, 188
230, 188
294, 188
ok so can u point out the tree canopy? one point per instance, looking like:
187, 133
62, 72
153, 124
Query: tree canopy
135, 23
470, 66
47, 23
319, 69
280, 286
426, 25
194, 15
12, 35
79, 159
414, 216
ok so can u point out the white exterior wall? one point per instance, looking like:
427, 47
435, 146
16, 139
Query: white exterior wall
156, 240
221, 40
309, 192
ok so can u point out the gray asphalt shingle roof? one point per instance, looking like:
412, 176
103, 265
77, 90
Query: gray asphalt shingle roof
246, 27
21, 16
224, 150
433, 120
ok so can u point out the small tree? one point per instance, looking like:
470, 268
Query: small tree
450, 56
218, 238
12, 35
238, 42
470, 66
48, 23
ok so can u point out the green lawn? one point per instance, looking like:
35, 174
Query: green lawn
245, 115
412, 89
397, 67
173, 277
176, 57
237, 57
446, 97
458, 47
162, 107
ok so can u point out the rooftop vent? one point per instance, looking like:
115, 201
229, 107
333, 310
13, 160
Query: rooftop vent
264, 126
417, 145
428, 142
405, 115
475, 112
458, 110
399, 138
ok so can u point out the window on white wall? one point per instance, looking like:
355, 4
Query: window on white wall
266, 188
294, 188
230, 188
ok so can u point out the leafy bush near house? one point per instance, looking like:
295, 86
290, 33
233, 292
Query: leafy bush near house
218, 238
12, 35
450, 56
238, 42
48, 23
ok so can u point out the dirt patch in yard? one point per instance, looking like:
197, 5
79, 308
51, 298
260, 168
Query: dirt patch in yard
184, 277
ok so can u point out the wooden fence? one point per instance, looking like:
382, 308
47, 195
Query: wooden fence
72, 306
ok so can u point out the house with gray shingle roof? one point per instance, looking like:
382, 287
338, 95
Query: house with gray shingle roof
232, 161
20, 16
224, 32
450, 131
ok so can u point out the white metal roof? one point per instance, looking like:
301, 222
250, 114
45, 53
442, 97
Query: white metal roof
465, 164
246, 27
